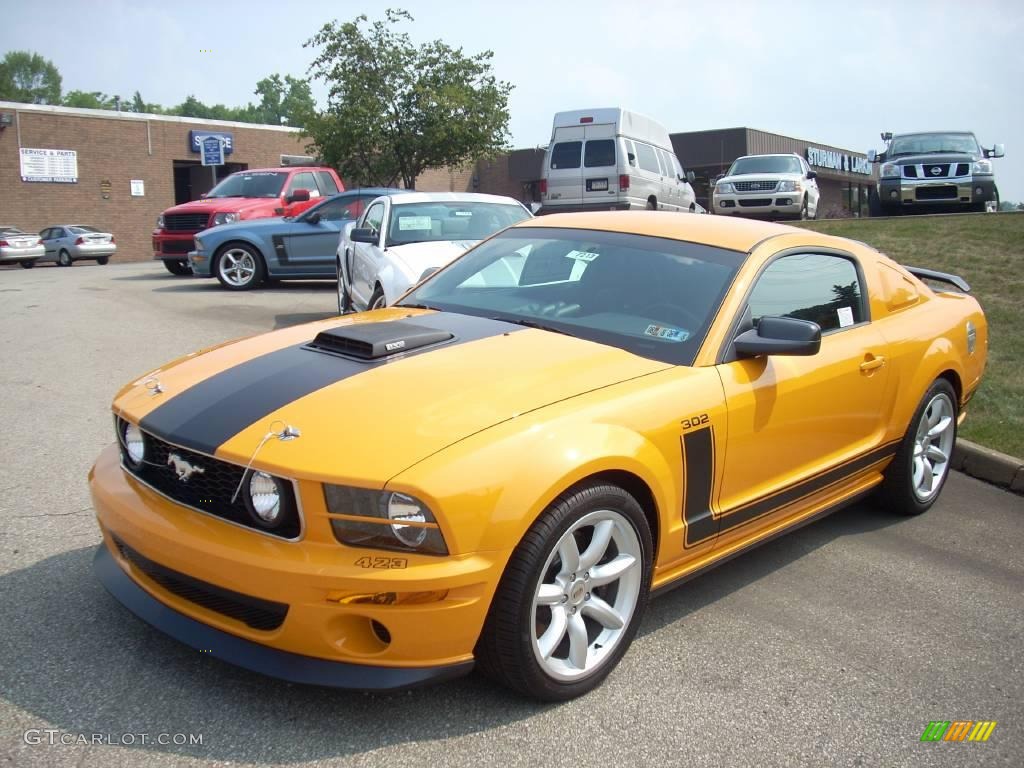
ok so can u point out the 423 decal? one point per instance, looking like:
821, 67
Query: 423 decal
695, 421
382, 562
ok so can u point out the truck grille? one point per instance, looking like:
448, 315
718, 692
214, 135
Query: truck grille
755, 186
909, 171
180, 247
186, 222
209, 491
963, 169
251, 611
935, 170
944, 192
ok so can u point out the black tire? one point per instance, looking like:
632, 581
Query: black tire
179, 267
63, 259
344, 297
377, 298
505, 651
874, 204
27, 264
898, 492
652, 204
102, 260
250, 273
803, 210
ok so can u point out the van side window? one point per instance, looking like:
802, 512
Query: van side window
648, 160
631, 152
666, 164
599, 153
678, 167
566, 154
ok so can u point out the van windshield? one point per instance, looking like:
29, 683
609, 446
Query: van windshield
566, 154
599, 153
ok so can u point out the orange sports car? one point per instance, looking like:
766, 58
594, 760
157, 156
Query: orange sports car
500, 469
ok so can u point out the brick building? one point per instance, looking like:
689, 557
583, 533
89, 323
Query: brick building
111, 150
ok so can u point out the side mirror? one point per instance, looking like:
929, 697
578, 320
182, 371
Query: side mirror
313, 218
427, 273
779, 336
997, 151
202, 195
872, 156
298, 196
364, 235
812, 174
691, 176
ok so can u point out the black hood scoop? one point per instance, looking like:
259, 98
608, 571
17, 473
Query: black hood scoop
373, 341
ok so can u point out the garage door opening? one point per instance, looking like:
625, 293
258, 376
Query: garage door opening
193, 179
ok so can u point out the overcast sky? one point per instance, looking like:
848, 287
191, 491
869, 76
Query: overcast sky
836, 73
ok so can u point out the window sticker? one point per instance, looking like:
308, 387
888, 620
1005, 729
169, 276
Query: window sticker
845, 316
463, 213
581, 255
406, 223
666, 333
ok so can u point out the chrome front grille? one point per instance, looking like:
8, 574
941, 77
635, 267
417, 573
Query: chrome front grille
755, 186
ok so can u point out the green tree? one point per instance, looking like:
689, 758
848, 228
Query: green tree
284, 102
89, 100
29, 78
394, 109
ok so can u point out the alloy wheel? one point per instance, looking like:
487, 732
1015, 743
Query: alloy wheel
237, 267
933, 446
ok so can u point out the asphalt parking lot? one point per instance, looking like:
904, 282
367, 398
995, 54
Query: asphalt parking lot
835, 645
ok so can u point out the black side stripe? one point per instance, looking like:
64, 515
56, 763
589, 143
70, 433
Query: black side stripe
699, 460
209, 413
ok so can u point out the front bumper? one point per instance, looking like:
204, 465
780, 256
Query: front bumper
758, 204
13, 255
583, 207
253, 656
332, 619
920, 193
173, 245
201, 263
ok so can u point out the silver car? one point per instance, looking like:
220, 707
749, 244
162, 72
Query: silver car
68, 243
19, 247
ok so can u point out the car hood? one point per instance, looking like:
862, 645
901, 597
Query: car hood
418, 257
762, 177
249, 225
225, 204
934, 157
361, 421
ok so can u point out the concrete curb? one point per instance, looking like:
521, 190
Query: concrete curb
992, 466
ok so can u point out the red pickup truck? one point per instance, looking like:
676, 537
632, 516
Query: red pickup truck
255, 194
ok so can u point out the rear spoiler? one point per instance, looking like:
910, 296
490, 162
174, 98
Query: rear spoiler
940, 277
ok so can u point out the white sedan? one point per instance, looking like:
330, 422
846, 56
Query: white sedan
400, 239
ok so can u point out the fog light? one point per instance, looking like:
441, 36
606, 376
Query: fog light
978, 191
265, 500
894, 195
134, 444
722, 204
381, 632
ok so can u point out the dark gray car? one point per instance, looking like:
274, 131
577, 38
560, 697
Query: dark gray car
67, 243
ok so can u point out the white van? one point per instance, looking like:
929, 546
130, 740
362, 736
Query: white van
612, 159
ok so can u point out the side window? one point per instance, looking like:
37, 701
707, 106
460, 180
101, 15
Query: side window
810, 286
45, 234
648, 160
678, 167
666, 164
566, 154
631, 153
305, 181
599, 153
326, 181
342, 209
374, 217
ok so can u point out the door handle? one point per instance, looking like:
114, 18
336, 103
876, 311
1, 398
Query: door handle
872, 364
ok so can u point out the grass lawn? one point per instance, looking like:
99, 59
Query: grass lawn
987, 250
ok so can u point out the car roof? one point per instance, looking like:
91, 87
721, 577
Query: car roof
375, 191
772, 154
456, 197
719, 231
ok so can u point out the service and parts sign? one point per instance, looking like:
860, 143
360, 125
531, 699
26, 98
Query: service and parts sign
55, 165
195, 140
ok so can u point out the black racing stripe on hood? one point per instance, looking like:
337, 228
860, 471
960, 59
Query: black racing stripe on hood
216, 409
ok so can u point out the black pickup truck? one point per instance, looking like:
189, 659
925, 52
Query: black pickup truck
935, 171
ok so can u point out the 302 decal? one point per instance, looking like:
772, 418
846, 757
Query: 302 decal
695, 421
382, 562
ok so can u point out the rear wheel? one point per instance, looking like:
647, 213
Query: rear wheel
102, 260
27, 264
571, 597
239, 267
64, 259
652, 203
915, 478
178, 266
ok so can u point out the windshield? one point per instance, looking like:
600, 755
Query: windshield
927, 143
765, 164
650, 296
255, 184
450, 220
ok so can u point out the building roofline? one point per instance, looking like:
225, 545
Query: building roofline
773, 133
109, 114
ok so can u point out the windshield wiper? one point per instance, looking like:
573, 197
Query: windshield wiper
419, 306
532, 324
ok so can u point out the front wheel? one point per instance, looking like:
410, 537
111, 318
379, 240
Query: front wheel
239, 267
377, 300
178, 267
803, 210
344, 298
915, 478
571, 597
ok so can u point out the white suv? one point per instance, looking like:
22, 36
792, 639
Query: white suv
767, 186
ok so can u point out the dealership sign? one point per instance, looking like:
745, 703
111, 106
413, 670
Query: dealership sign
838, 161
195, 140
59, 165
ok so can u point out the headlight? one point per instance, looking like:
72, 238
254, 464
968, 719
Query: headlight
133, 443
724, 188
266, 500
789, 186
383, 520
160, 221
890, 171
982, 167
224, 218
